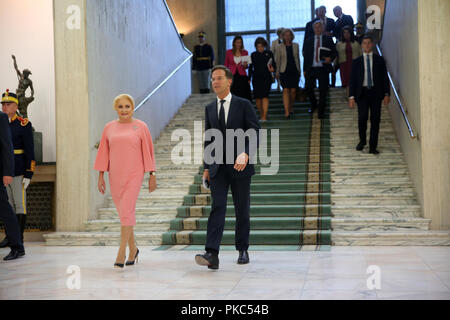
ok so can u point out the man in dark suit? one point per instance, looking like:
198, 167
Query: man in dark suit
316, 68
342, 21
369, 87
327, 23
228, 165
7, 214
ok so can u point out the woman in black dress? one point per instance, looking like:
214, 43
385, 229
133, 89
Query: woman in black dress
288, 71
260, 71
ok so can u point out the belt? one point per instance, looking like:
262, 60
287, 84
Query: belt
204, 58
20, 151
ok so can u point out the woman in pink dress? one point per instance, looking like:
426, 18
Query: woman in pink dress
126, 152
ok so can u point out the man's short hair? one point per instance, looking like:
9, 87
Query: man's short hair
228, 72
317, 22
368, 37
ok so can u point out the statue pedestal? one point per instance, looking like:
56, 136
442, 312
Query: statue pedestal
37, 137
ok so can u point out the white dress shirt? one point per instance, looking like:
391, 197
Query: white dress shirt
317, 64
226, 106
324, 23
366, 80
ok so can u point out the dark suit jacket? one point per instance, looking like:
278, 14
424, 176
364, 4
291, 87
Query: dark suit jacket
309, 31
308, 52
241, 115
6, 148
345, 20
382, 86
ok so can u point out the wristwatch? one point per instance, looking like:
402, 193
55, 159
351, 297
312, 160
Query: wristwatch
153, 173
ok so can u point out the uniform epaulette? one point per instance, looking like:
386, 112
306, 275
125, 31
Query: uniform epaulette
23, 122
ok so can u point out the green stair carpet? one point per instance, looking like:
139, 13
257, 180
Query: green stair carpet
289, 211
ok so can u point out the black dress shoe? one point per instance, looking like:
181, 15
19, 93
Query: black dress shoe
136, 259
208, 259
4, 243
13, 255
243, 257
360, 146
374, 151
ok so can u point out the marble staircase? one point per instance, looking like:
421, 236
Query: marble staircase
370, 199
153, 212
373, 198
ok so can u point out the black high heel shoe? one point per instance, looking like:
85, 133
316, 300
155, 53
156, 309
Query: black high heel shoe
136, 258
118, 265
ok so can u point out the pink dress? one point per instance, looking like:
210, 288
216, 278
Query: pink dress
126, 152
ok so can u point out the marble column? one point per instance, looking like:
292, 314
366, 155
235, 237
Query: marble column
434, 70
72, 110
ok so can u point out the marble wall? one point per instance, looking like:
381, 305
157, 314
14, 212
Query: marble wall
132, 46
434, 69
72, 119
120, 47
411, 39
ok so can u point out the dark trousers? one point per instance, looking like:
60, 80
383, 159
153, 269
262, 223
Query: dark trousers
322, 75
10, 222
240, 189
369, 103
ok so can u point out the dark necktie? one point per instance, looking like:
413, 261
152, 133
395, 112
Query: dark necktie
369, 74
222, 115
223, 127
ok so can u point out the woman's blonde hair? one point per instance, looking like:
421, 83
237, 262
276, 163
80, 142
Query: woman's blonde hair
290, 31
126, 96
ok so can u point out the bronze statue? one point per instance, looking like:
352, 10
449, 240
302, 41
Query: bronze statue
24, 83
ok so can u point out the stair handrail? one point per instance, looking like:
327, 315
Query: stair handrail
175, 70
397, 97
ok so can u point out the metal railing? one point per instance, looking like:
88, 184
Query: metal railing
397, 96
175, 70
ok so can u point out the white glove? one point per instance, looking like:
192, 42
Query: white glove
26, 183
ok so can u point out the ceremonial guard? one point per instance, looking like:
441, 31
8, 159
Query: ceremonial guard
22, 137
203, 62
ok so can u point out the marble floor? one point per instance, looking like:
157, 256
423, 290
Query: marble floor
342, 273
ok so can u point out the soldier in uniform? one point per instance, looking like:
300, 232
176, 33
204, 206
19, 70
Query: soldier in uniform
22, 137
203, 62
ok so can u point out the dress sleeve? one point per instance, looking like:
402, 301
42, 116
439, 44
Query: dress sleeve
102, 160
148, 154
